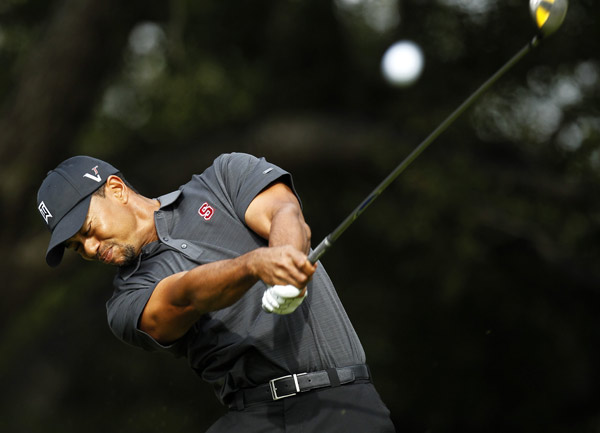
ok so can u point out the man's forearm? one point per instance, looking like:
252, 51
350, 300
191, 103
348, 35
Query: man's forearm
289, 228
215, 285
181, 299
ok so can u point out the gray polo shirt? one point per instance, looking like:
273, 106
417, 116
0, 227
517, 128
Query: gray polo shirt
239, 346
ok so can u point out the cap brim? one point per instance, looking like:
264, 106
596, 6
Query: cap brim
65, 229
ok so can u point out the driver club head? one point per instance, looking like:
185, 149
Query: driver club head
548, 15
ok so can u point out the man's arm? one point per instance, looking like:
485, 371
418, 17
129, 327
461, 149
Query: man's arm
179, 300
275, 214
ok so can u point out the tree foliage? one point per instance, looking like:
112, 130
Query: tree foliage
472, 281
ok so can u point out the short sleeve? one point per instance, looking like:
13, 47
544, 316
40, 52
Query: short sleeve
245, 176
124, 310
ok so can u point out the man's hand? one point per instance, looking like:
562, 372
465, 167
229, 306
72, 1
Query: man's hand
286, 271
282, 299
282, 266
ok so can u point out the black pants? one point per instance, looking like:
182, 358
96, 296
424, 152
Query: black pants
352, 408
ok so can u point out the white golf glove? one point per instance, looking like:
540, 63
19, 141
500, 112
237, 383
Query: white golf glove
282, 299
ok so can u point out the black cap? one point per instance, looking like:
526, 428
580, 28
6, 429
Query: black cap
64, 199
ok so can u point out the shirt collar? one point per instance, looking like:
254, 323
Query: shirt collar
168, 199
165, 200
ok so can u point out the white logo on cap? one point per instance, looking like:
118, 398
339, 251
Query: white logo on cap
96, 178
45, 212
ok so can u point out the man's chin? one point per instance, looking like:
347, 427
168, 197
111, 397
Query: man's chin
129, 257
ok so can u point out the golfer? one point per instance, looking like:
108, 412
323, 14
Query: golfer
194, 271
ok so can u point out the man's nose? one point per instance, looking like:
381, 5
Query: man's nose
90, 247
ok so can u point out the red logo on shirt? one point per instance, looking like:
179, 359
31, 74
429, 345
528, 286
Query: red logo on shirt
206, 211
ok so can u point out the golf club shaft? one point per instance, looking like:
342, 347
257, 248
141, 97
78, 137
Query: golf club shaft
326, 243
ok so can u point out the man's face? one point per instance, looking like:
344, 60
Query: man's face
108, 232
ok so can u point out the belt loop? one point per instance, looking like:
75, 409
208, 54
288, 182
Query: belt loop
239, 401
334, 379
370, 376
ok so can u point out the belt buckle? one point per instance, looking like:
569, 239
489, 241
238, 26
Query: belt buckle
274, 388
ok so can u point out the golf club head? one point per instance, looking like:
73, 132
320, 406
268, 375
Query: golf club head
548, 15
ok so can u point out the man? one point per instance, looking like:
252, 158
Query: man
194, 268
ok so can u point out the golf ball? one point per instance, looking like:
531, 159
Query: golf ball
402, 63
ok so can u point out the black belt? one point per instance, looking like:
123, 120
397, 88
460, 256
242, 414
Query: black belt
292, 384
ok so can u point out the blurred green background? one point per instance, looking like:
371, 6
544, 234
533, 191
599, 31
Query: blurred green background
474, 280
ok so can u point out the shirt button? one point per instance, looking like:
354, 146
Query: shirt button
165, 239
184, 246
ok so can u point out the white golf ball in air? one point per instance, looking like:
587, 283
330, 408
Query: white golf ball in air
402, 63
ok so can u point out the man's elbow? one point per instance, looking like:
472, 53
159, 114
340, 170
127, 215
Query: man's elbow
166, 327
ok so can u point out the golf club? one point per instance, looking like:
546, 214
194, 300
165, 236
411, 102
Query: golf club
548, 16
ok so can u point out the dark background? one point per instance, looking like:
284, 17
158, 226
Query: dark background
473, 281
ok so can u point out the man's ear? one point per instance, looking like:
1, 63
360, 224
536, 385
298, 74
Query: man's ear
115, 188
